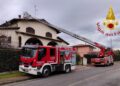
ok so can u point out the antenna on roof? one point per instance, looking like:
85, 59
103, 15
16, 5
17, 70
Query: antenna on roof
26, 15
35, 8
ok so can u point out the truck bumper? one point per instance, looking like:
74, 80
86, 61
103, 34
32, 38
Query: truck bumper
29, 70
96, 63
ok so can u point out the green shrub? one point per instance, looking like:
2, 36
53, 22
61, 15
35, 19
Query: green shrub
89, 56
78, 59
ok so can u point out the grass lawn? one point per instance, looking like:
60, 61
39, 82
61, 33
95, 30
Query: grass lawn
11, 74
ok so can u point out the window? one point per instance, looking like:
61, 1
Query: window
3, 38
9, 39
20, 40
48, 34
30, 30
52, 52
42, 53
29, 52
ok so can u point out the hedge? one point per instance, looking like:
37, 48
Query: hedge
9, 59
89, 56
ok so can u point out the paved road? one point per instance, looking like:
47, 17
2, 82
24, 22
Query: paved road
85, 76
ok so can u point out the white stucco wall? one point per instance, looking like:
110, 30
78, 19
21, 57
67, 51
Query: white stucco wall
14, 37
44, 41
40, 29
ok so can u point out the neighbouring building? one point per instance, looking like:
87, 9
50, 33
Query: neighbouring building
83, 49
22, 30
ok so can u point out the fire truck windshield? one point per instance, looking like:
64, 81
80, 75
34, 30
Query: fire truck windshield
28, 52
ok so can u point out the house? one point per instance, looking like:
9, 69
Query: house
83, 49
24, 30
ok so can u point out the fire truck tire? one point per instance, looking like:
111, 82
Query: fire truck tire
112, 63
107, 64
67, 68
46, 72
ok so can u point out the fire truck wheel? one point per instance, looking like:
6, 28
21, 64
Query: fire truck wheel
112, 63
67, 68
107, 64
46, 72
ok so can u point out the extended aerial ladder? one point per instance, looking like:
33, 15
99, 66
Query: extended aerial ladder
104, 51
67, 32
105, 55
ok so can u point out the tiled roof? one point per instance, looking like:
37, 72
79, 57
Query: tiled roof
15, 20
82, 45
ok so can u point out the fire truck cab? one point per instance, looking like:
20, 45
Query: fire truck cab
42, 60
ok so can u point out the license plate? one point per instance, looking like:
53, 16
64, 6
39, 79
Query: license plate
26, 70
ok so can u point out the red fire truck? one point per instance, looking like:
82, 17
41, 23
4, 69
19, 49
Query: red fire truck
105, 56
42, 60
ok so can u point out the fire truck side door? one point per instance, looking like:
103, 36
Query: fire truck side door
52, 55
41, 54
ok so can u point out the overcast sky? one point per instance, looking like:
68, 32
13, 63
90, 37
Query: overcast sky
77, 16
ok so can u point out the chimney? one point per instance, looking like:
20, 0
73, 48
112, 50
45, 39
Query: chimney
19, 16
